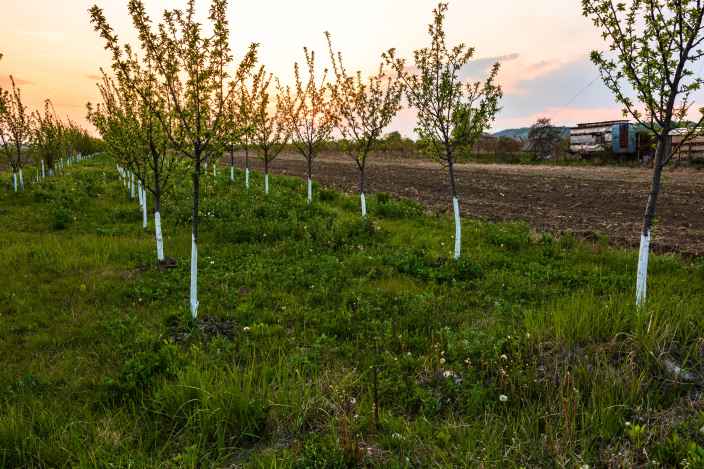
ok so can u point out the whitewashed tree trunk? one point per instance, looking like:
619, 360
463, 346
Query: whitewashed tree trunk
266, 184
21, 180
43, 171
232, 174
310, 191
14, 181
159, 237
458, 228
643, 258
364, 204
145, 220
194, 278
246, 178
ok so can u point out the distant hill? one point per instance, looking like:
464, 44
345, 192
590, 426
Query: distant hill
522, 133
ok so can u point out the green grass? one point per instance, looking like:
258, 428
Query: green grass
320, 312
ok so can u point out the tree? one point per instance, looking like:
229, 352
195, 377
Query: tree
48, 136
543, 138
127, 120
238, 127
653, 46
308, 114
15, 131
192, 68
269, 132
451, 113
243, 109
364, 109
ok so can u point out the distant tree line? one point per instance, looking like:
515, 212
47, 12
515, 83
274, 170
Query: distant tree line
38, 136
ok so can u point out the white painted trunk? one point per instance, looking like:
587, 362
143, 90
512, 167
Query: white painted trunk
458, 228
266, 184
310, 191
43, 170
215, 171
140, 194
642, 279
14, 181
246, 178
159, 237
145, 220
232, 174
194, 278
21, 180
364, 204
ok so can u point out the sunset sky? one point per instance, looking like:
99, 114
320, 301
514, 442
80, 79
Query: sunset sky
52, 51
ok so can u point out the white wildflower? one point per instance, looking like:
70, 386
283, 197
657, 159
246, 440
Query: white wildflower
503, 398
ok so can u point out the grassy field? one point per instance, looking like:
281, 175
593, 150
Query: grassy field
328, 341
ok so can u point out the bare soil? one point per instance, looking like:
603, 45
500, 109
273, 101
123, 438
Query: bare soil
587, 201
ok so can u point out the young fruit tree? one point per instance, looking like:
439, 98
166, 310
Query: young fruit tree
127, 121
15, 131
48, 137
192, 67
269, 133
364, 109
653, 46
118, 127
308, 113
233, 132
451, 112
242, 100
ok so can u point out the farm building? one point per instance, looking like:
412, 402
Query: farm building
692, 150
618, 137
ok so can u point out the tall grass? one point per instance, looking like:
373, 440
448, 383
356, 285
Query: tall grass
526, 353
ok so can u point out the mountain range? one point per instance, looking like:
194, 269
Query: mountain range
522, 133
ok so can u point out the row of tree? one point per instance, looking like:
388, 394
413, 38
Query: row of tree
180, 97
40, 135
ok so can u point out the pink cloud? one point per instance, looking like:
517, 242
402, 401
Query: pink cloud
516, 72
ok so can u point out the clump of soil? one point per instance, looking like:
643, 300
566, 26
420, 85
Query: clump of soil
167, 264
207, 327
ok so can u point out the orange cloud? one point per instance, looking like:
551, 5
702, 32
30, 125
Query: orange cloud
6, 82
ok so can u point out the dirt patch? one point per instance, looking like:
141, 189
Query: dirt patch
584, 200
207, 327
